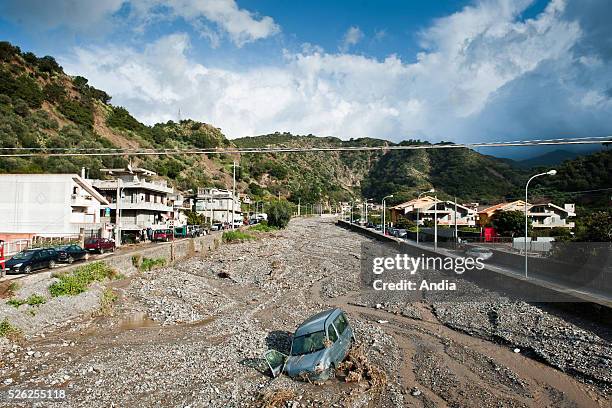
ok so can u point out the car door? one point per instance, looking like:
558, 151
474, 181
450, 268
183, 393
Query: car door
37, 260
276, 361
344, 334
335, 346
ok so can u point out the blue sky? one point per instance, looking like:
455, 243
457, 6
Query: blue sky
439, 70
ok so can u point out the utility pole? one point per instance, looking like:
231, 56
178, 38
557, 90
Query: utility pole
118, 213
456, 232
299, 206
351, 212
436, 221
234, 195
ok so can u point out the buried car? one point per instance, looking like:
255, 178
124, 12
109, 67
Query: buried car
317, 347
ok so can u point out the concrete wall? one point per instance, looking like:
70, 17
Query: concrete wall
122, 262
563, 283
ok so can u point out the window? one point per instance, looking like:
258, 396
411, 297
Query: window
340, 322
331, 333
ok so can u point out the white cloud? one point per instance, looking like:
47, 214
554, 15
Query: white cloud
82, 15
475, 80
352, 36
240, 25
93, 16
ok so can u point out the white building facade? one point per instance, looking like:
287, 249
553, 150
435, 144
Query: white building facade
218, 205
48, 205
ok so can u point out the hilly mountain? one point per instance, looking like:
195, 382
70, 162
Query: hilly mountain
43, 107
547, 159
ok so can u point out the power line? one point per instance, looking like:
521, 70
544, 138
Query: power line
62, 152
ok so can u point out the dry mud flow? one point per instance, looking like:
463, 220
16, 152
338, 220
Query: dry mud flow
192, 335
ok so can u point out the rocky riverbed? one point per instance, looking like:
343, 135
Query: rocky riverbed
193, 334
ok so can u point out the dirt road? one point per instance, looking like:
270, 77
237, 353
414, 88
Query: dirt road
193, 334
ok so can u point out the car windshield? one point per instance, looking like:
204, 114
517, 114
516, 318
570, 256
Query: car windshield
23, 255
91, 241
308, 343
63, 248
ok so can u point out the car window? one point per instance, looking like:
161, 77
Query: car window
331, 333
308, 343
340, 322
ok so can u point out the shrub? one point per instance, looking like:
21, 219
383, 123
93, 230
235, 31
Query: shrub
279, 214
107, 301
7, 329
150, 263
35, 299
233, 236
78, 281
263, 227
79, 112
54, 92
120, 118
15, 302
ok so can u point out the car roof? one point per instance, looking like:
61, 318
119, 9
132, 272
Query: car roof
316, 323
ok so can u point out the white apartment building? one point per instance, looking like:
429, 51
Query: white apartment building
142, 199
48, 205
218, 205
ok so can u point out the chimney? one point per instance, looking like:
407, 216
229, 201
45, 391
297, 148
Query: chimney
83, 172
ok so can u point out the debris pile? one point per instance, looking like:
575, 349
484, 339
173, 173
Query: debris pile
357, 368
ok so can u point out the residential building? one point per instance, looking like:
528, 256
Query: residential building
144, 201
48, 205
217, 205
485, 215
545, 215
550, 215
446, 212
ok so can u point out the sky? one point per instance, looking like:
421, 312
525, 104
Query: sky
462, 71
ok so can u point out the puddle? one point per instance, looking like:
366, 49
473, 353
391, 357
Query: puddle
137, 320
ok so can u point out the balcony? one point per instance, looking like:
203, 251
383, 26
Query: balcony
77, 200
146, 185
141, 205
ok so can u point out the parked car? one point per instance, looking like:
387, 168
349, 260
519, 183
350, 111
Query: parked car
162, 235
479, 252
100, 245
31, 260
180, 232
317, 347
216, 226
401, 233
71, 253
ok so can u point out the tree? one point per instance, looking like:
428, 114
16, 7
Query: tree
279, 214
596, 227
404, 223
510, 223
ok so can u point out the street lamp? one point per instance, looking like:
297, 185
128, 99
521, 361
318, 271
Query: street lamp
366, 211
384, 215
548, 173
431, 190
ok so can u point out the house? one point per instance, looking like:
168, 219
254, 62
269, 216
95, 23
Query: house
546, 215
48, 205
141, 198
217, 205
446, 212
486, 214
550, 215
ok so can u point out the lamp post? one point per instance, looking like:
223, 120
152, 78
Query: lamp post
548, 173
417, 220
366, 211
120, 188
384, 213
